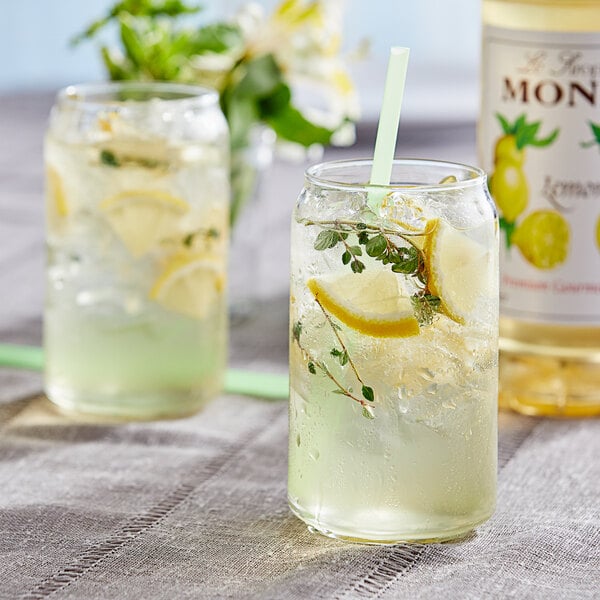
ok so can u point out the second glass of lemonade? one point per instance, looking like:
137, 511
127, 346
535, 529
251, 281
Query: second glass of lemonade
393, 352
137, 233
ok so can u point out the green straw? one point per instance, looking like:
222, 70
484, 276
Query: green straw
21, 357
387, 130
245, 383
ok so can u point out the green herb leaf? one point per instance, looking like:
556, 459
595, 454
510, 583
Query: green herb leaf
366, 412
311, 368
346, 257
109, 159
363, 237
355, 250
326, 239
406, 261
297, 330
376, 246
357, 266
367, 393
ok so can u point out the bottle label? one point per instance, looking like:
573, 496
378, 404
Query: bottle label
539, 141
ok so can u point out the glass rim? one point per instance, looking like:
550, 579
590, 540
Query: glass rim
89, 94
312, 175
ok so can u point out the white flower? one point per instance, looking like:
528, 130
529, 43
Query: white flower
304, 36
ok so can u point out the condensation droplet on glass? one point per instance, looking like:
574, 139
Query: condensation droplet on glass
426, 374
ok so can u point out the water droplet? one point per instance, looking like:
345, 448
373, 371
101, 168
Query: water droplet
432, 389
426, 374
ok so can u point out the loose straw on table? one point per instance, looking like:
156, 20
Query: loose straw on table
387, 130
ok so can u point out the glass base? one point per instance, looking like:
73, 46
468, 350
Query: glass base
459, 532
129, 406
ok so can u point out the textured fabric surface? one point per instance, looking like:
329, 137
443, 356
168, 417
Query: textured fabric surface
196, 508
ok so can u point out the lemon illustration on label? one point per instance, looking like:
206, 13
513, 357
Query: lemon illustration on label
598, 233
509, 187
543, 239
508, 183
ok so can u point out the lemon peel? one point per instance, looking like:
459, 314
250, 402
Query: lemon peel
189, 284
57, 200
370, 303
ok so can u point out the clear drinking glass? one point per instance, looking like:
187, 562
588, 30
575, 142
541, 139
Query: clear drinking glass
393, 352
137, 207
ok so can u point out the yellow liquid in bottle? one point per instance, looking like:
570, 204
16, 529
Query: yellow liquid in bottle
549, 368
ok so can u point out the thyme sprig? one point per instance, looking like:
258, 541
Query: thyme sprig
379, 244
313, 365
344, 357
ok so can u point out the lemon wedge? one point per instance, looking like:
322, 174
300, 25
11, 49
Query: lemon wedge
57, 201
189, 285
457, 267
142, 218
371, 303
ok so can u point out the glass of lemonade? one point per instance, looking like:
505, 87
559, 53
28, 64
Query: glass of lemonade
393, 352
137, 211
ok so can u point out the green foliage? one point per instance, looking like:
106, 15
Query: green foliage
367, 393
526, 133
296, 331
253, 88
595, 127
109, 159
155, 47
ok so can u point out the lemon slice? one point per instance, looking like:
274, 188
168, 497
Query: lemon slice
456, 267
189, 284
371, 303
57, 201
543, 238
142, 218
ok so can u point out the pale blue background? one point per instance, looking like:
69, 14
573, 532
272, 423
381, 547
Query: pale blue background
444, 37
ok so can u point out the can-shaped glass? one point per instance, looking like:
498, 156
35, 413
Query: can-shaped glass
393, 352
137, 217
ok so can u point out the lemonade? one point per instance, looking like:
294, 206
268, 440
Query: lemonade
393, 353
137, 230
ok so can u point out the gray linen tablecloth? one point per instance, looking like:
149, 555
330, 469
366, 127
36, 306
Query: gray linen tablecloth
196, 508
